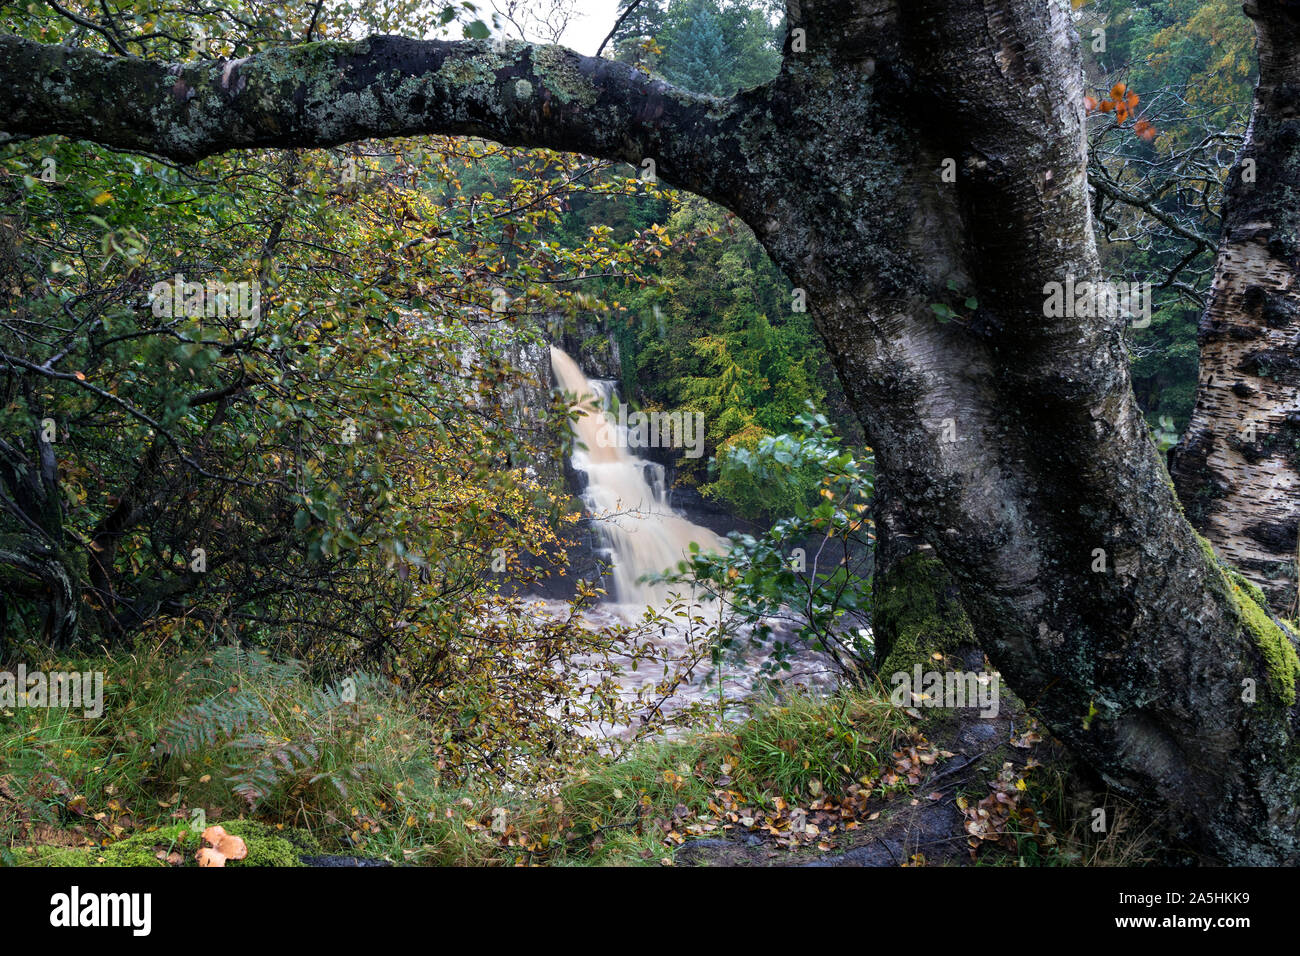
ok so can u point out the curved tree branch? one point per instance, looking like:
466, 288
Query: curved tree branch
324, 94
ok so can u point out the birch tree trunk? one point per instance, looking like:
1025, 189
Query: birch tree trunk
1237, 468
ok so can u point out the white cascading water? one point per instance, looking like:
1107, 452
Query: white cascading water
645, 535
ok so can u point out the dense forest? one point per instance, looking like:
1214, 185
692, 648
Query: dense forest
779, 433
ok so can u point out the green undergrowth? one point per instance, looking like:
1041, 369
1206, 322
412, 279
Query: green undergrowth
229, 737
610, 812
300, 767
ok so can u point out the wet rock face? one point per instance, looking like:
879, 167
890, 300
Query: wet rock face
529, 400
586, 561
592, 345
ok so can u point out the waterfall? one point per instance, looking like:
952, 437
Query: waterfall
632, 514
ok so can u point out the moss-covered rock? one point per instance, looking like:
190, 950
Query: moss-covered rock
267, 846
303, 840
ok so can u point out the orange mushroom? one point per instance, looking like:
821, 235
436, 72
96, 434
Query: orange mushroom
207, 856
225, 846
232, 847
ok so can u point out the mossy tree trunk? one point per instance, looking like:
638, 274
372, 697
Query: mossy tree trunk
1237, 468
916, 605
1010, 437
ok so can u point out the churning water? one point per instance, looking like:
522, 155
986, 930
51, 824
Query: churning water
627, 498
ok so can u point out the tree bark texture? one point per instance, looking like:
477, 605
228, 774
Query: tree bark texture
1237, 468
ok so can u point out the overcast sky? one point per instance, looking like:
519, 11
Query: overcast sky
591, 23
595, 18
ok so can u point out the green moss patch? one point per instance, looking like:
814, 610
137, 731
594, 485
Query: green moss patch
1280, 660
267, 846
918, 605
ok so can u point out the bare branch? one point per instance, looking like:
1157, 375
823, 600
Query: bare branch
617, 23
